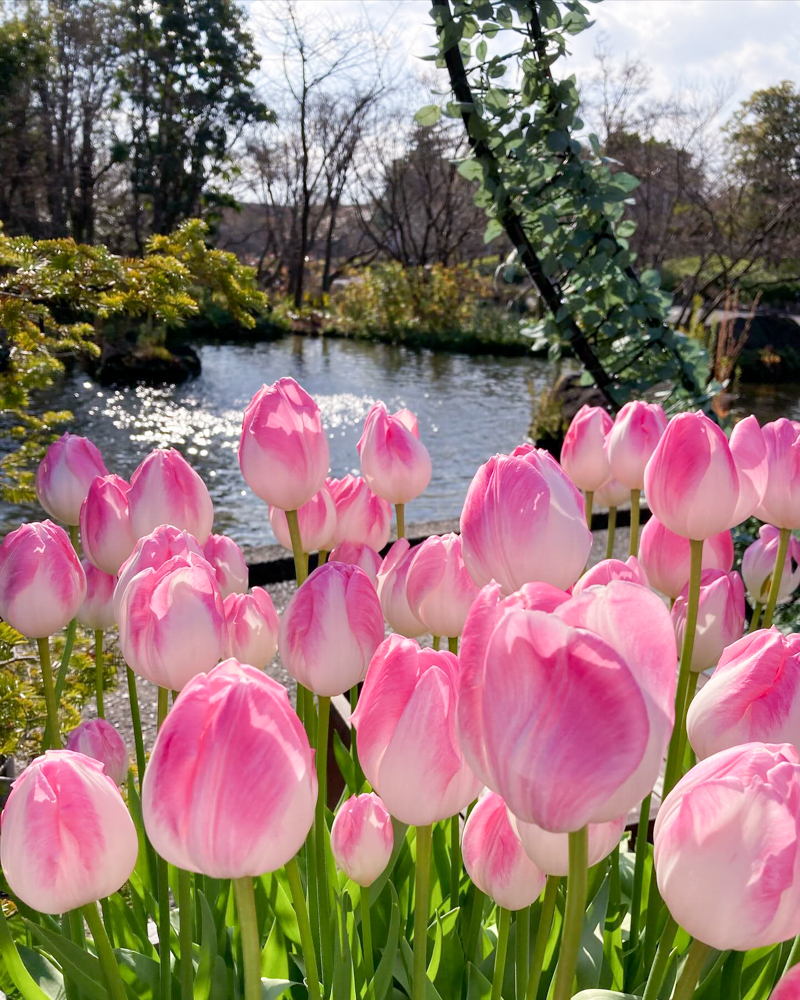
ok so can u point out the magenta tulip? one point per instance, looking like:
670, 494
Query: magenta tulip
165, 489
583, 454
666, 557
227, 561
105, 519
720, 616
97, 610
42, 583
252, 624
405, 725
361, 516
363, 556
780, 505
233, 748
758, 565
65, 474
316, 519
727, 848
612, 569
67, 836
330, 629
392, 577
99, 740
637, 429
788, 987
153, 551
394, 462
283, 450
439, 589
550, 851
362, 838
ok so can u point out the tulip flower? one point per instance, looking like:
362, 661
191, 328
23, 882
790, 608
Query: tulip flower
752, 697
362, 838
523, 521
316, 519
105, 519
97, 610
727, 843
172, 622
406, 733
583, 454
666, 557
550, 851
227, 561
637, 429
42, 583
440, 591
330, 629
494, 858
394, 462
788, 987
67, 836
99, 740
392, 577
720, 616
153, 551
231, 747
252, 627
283, 450
363, 556
612, 569
611, 494
65, 474
780, 505
165, 489
758, 565
361, 517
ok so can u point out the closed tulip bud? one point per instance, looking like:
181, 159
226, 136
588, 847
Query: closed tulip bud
165, 489
440, 591
362, 838
317, 521
523, 522
153, 551
67, 836
252, 625
632, 440
666, 557
752, 697
727, 848
392, 577
781, 502
758, 565
583, 454
99, 740
494, 858
611, 494
361, 517
231, 747
283, 450
106, 532
97, 610
42, 583
405, 725
65, 474
720, 616
227, 561
788, 987
612, 569
363, 556
330, 629
550, 851
171, 622
394, 462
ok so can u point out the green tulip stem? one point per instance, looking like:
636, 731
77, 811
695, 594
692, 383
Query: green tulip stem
105, 953
248, 927
300, 557
574, 912
503, 924
98, 672
322, 557
634, 549
320, 836
522, 924
777, 574
185, 914
612, 528
63, 669
366, 936
306, 940
136, 719
400, 514
638, 870
52, 737
659, 967
452, 644
421, 903
754, 621
589, 494
690, 974
542, 934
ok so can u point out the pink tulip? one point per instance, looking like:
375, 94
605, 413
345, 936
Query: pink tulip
583, 454
171, 622
406, 733
106, 533
392, 577
611, 494
65, 474
524, 521
165, 489
42, 583
494, 858
67, 836
758, 565
363, 556
362, 838
99, 740
330, 629
252, 625
727, 848
361, 517
227, 561
752, 697
720, 617
612, 569
788, 987
317, 520
440, 591
697, 483
781, 503
283, 450
666, 557
97, 610
395, 463
550, 851
233, 748
153, 551
632, 440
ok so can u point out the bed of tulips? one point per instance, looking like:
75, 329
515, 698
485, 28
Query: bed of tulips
494, 837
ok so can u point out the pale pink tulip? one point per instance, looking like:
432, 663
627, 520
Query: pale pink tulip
97, 610
611, 494
67, 836
781, 502
758, 565
720, 616
106, 533
65, 474
361, 516
632, 440
406, 733
165, 489
330, 629
394, 462
363, 556
233, 748
252, 625
392, 577
316, 519
153, 551
788, 987
283, 450
612, 569
550, 851
439, 589
42, 582
583, 454
227, 561
523, 521
666, 557
362, 838
101, 741
727, 848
